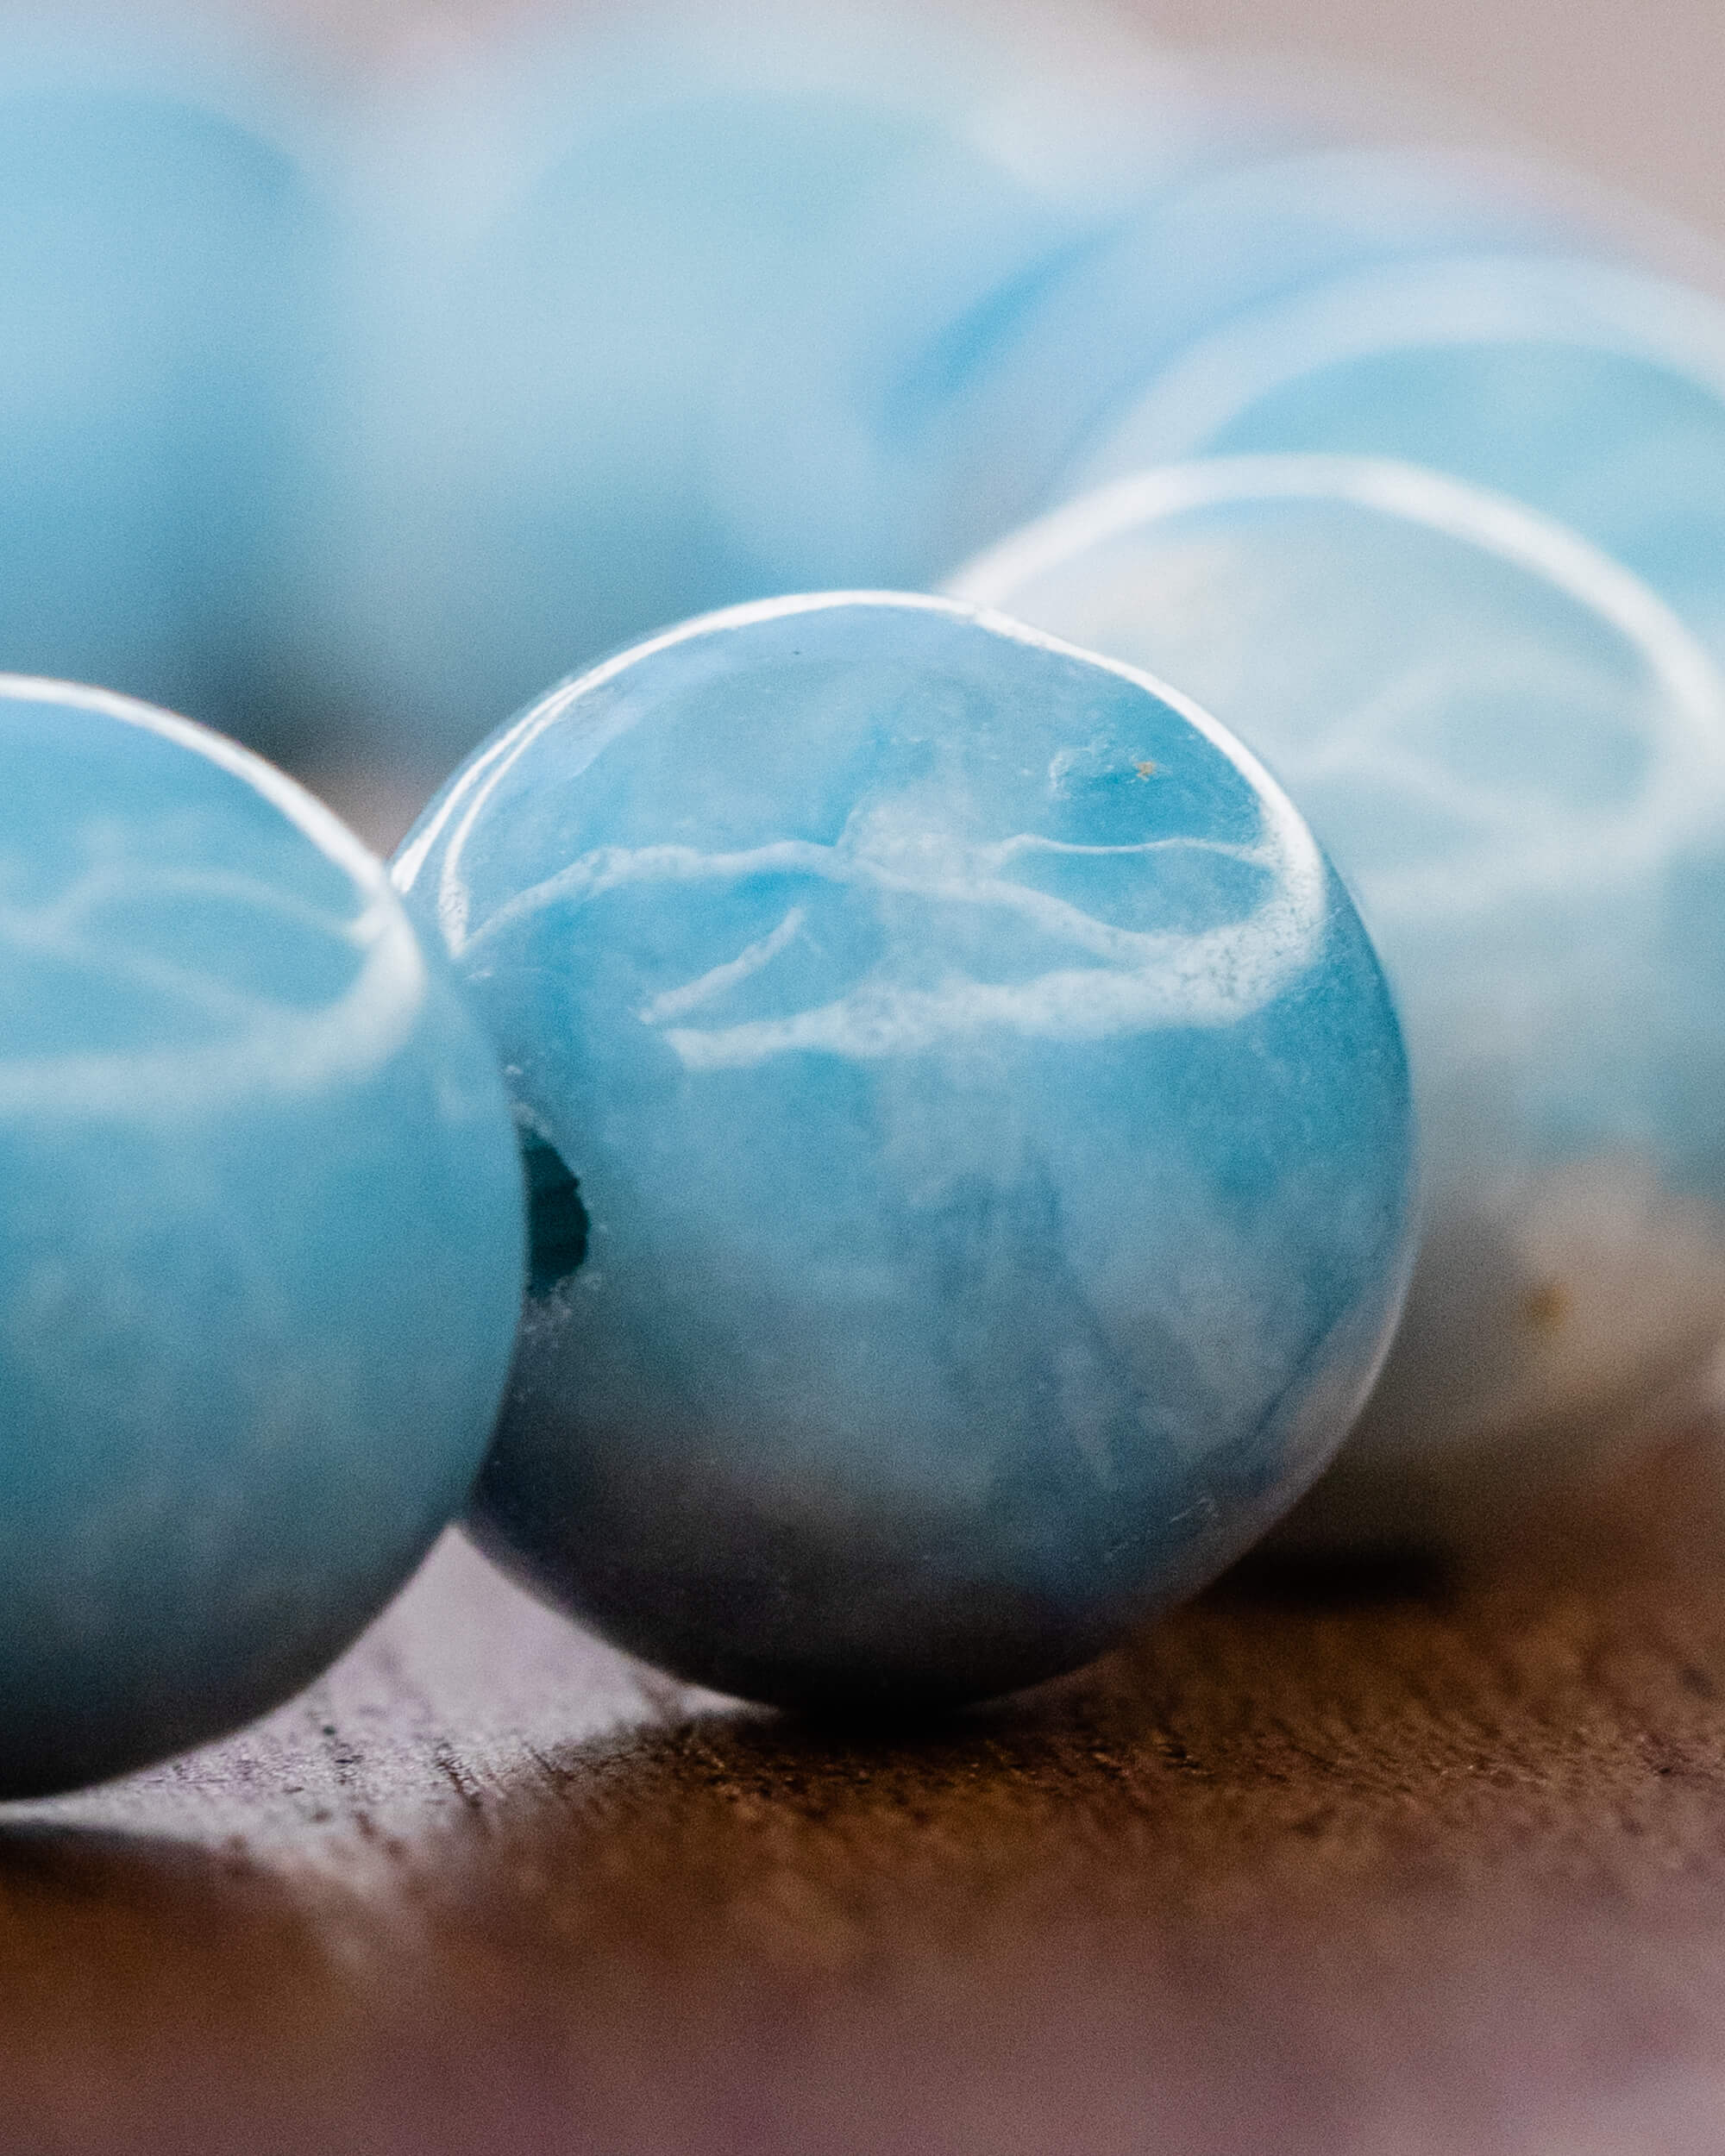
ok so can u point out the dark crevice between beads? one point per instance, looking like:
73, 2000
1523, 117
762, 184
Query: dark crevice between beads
556, 1218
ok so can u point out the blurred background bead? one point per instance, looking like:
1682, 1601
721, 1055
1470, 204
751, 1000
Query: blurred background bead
1517, 756
1000, 422
260, 1238
642, 326
973, 1146
163, 293
1594, 392
639, 329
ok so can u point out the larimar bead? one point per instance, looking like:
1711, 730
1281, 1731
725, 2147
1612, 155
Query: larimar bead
733, 328
1593, 392
970, 1140
162, 293
261, 1231
1000, 416
733, 331
1517, 756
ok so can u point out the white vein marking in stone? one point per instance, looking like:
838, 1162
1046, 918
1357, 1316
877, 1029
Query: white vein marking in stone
592, 720
273, 1050
676, 1003
1146, 980
280, 1051
941, 869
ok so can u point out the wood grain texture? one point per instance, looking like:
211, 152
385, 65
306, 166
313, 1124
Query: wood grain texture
1387, 1862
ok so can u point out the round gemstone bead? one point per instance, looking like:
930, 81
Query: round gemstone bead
970, 1136
659, 322
669, 334
664, 375
162, 290
1001, 424
1516, 756
1593, 392
260, 1233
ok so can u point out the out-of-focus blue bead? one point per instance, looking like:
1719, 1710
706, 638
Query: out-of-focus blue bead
260, 1233
743, 333
1593, 392
1001, 409
764, 337
161, 295
1517, 756
992, 1138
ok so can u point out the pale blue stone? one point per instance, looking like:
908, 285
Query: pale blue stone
1593, 392
1517, 756
162, 291
992, 1130
741, 333
260, 1233
999, 414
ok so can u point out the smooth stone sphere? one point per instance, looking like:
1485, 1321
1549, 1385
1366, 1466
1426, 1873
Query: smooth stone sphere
162, 293
1517, 756
260, 1237
1000, 420
735, 337
949, 428
1592, 393
991, 1135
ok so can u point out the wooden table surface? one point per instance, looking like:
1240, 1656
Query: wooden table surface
1391, 1862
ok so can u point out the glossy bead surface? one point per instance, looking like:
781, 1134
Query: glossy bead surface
260, 1231
1594, 393
1516, 756
160, 297
991, 1133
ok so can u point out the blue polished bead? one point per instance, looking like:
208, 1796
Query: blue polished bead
1594, 393
160, 296
1517, 756
998, 416
991, 1136
261, 1235
735, 337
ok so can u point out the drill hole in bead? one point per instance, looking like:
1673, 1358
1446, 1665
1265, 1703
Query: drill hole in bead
557, 1219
